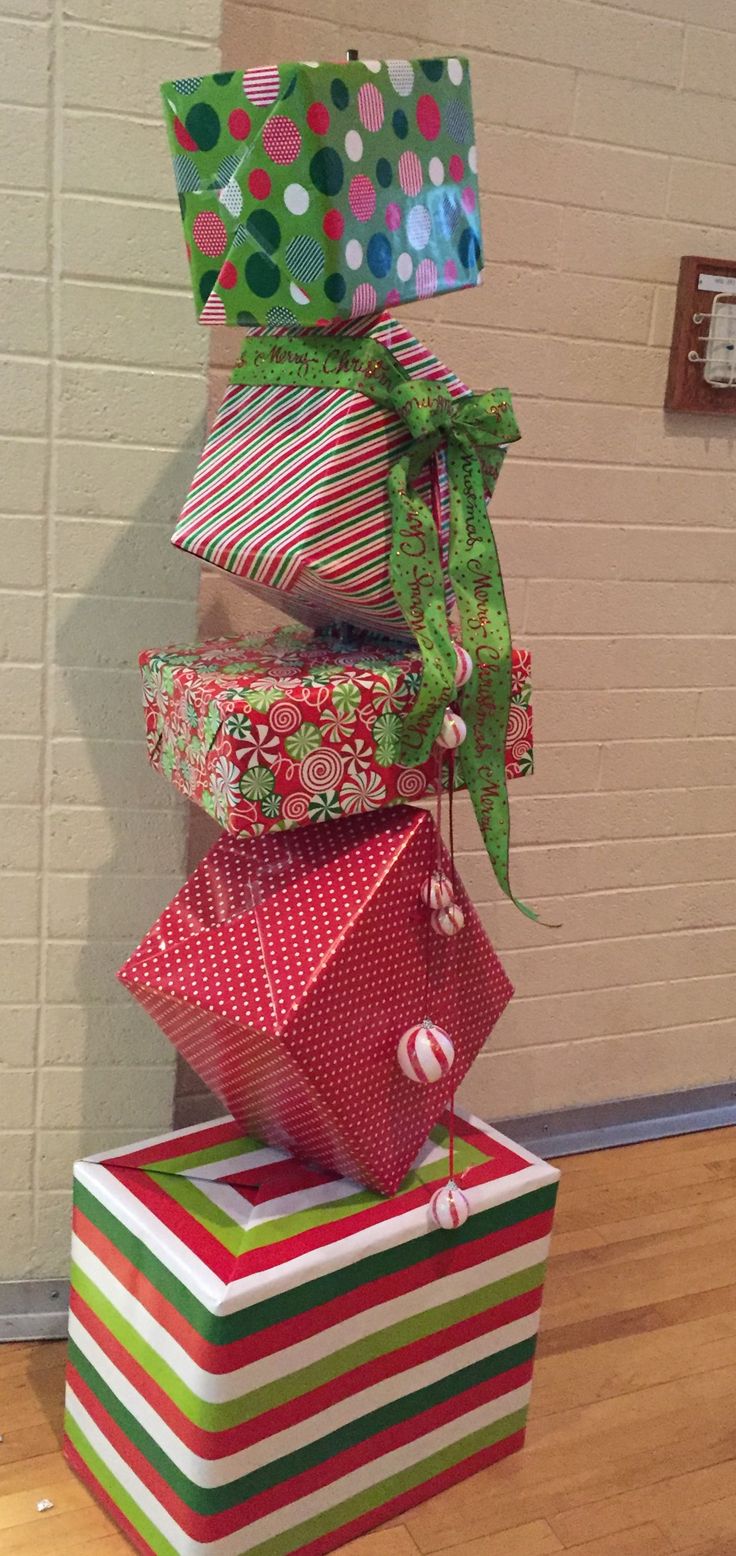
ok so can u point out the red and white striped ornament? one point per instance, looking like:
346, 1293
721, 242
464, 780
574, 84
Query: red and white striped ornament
452, 731
425, 1053
449, 1207
463, 665
437, 892
448, 920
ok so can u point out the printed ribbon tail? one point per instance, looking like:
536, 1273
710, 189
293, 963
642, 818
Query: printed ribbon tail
486, 699
418, 584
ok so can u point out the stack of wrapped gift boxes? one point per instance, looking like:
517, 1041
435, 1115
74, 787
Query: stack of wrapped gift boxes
294, 1323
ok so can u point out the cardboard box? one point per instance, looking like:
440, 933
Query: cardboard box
291, 495
270, 733
310, 192
264, 1359
287, 971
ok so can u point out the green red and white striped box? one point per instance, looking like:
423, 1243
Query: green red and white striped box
291, 498
265, 1358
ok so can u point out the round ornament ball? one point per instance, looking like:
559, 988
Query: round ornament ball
437, 891
452, 732
463, 665
448, 920
449, 1207
425, 1053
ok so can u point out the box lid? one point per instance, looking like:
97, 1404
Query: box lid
236, 1221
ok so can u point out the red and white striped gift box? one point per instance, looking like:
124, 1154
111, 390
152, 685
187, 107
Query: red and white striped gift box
290, 496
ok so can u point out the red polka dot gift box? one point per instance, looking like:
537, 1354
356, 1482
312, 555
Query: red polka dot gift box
270, 733
313, 192
287, 972
265, 1358
291, 494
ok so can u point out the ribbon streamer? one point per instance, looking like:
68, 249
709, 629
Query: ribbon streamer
474, 429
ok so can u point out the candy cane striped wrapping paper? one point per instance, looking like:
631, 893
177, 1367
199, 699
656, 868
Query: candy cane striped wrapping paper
265, 1358
290, 496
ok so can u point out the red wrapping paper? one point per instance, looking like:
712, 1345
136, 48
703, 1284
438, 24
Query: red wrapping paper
273, 733
286, 973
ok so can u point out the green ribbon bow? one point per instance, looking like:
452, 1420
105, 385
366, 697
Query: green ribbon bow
474, 429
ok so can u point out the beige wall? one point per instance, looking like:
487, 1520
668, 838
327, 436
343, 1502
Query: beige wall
101, 407
600, 129
606, 141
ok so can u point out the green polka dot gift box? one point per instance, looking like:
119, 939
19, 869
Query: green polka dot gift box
266, 1359
314, 192
287, 971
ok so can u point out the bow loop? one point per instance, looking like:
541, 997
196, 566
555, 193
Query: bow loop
481, 424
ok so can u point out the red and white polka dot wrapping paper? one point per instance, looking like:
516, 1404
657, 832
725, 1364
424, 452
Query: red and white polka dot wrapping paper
285, 973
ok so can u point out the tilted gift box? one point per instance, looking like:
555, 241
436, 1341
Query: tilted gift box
313, 192
291, 498
264, 1359
271, 733
287, 972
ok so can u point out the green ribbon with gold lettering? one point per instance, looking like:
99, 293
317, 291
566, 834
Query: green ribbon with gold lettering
474, 429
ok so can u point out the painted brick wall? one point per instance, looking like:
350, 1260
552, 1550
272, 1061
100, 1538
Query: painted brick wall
102, 394
606, 135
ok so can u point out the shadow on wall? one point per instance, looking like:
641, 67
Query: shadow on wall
119, 834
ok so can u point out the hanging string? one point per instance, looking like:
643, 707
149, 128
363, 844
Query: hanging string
453, 877
428, 940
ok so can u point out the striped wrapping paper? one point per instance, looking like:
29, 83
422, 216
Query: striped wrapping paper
265, 1358
290, 494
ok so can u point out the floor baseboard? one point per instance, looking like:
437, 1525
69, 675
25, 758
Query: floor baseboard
601, 1125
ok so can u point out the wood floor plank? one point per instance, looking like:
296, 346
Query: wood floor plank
534, 1539
686, 1493
626, 1364
395, 1541
708, 1521
645, 1540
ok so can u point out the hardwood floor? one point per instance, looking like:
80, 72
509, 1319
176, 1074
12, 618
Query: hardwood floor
631, 1449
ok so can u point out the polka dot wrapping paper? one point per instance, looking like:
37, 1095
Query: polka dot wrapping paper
291, 493
275, 732
265, 1358
286, 971
311, 192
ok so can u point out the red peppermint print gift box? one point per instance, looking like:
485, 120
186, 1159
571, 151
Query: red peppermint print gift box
269, 733
287, 972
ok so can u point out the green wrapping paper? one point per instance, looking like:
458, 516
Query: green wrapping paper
311, 193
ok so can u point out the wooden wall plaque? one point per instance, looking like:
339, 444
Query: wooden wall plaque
701, 281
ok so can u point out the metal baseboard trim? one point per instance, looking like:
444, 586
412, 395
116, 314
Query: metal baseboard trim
33, 1309
37, 1309
602, 1125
